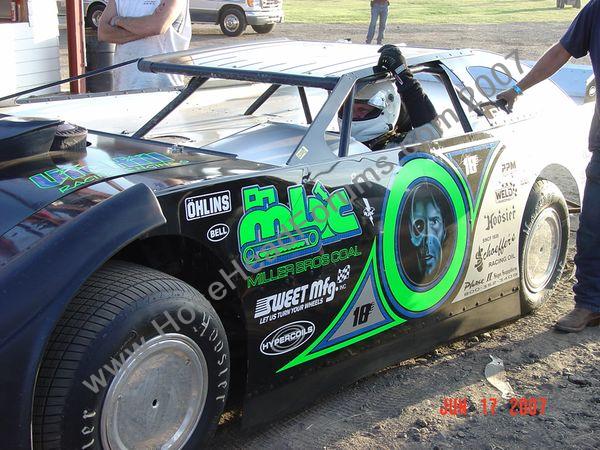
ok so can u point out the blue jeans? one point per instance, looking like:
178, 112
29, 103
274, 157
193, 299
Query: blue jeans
377, 12
587, 259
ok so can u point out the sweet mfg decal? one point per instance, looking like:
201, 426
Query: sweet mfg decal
301, 298
271, 232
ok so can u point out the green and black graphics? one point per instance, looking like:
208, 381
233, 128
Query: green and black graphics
397, 260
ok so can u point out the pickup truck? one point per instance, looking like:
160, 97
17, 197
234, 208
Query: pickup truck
233, 15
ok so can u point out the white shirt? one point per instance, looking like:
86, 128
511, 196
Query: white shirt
176, 38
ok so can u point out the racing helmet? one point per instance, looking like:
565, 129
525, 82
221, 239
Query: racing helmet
375, 111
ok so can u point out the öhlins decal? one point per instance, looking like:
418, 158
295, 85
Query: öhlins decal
271, 232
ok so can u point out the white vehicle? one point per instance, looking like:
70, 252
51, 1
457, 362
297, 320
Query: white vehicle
233, 15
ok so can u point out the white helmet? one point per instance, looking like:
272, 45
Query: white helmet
376, 110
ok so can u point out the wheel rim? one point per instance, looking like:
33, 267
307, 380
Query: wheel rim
96, 17
157, 396
542, 250
231, 22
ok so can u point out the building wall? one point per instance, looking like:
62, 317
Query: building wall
29, 51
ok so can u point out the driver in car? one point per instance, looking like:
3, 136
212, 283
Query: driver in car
388, 113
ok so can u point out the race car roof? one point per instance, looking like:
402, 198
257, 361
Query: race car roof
303, 63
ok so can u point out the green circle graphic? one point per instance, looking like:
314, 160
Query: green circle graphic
405, 297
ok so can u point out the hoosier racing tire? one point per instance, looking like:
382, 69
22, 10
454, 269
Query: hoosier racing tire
542, 244
139, 360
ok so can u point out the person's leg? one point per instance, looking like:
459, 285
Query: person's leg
371, 31
383, 14
587, 258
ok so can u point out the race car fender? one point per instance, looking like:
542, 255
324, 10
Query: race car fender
32, 301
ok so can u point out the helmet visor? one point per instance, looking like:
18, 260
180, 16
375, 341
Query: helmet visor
363, 110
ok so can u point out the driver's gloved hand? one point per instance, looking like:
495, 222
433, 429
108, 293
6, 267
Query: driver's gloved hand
419, 107
392, 59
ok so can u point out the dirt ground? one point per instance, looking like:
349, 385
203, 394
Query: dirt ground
400, 406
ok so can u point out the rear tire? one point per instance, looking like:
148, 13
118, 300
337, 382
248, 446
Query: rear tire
233, 22
542, 244
138, 359
263, 29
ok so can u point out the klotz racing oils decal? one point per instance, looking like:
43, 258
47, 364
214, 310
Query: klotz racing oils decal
69, 177
416, 262
271, 232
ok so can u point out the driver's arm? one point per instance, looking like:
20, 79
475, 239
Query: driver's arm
110, 33
418, 105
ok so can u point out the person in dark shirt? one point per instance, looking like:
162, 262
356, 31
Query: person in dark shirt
379, 10
582, 37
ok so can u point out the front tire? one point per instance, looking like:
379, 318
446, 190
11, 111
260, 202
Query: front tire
263, 29
543, 244
139, 359
233, 22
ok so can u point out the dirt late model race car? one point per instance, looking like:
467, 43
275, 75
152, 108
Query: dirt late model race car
232, 239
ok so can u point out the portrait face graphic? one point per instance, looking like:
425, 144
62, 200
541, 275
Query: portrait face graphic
424, 246
427, 234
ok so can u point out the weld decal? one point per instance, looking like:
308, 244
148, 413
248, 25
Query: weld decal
271, 232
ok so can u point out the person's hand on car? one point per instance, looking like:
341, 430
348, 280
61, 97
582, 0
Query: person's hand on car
509, 96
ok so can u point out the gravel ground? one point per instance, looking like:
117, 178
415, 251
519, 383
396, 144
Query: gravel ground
399, 407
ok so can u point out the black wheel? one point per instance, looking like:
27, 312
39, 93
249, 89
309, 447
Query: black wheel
560, 4
93, 14
233, 22
543, 244
263, 29
577, 4
139, 360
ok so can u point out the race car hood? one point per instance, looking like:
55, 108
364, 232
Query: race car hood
30, 183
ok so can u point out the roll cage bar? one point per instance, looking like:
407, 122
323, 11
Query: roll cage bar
312, 147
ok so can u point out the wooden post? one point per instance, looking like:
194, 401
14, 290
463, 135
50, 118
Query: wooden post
76, 44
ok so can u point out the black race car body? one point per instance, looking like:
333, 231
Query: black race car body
325, 261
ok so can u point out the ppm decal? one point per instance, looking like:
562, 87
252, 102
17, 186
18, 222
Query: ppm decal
271, 232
